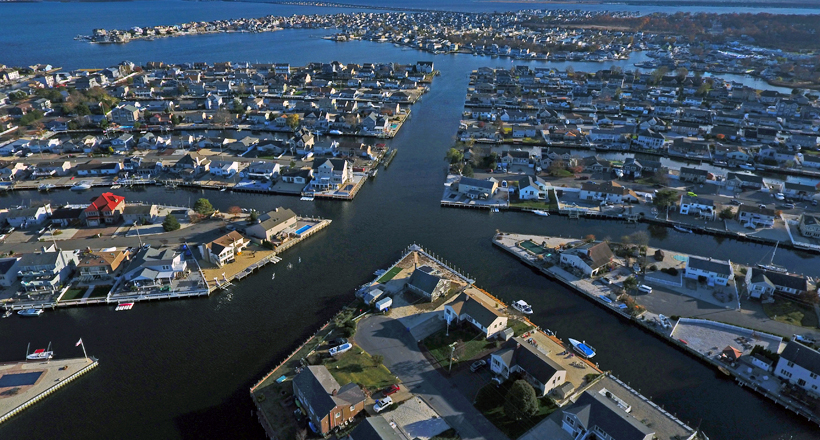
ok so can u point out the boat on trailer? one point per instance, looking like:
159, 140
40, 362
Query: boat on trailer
582, 348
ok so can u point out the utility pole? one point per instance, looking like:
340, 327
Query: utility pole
138, 233
452, 350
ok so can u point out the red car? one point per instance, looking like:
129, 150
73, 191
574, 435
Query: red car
392, 389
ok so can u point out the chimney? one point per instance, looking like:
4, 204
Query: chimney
333, 393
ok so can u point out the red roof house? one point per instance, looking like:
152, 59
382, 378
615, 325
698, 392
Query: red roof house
107, 208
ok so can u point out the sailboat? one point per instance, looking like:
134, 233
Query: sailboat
771, 266
300, 259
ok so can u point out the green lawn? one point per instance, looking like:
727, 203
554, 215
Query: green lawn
471, 345
561, 173
100, 291
493, 409
519, 327
389, 275
791, 313
534, 204
358, 367
72, 294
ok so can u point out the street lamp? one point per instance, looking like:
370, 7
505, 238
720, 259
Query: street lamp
138, 233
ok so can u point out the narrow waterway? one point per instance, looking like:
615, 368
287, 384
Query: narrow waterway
182, 369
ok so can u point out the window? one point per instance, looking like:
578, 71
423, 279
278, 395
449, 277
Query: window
813, 376
338, 414
569, 421
785, 373
801, 382
352, 408
790, 364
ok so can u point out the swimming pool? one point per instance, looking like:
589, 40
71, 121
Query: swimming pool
303, 229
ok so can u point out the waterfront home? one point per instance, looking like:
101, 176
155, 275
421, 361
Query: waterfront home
694, 175
105, 209
50, 169
95, 167
755, 216
763, 283
610, 191
594, 415
328, 404
65, 216
11, 170
713, 271
224, 168
698, 206
532, 188
800, 365
46, 270
224, 249
426, 282
467, 308
272, 223
519, 356
798, 191
632, 167
652, 140
743, 181
192, 163
8, 271
811, 161
154, 267
809, 225
27, 217
300, 176
263, 170
477, 189
589, 258
140, 214
330, 174
96, 265
374, 428
125, 115
123, 142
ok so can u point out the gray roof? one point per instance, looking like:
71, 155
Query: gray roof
743, 177
424, 280
274, 218
593, 409
694, 171
803, 356
375, 428
779, 279
483, 313
318, 386
137, 209
517, 351
39, 259
721, 267
486, 184
6, 264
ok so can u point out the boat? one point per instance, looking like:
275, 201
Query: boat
522, 307
340, 349
682, 229
541, 213
379, 272
124, 306
664, 321
7, 313
82, 186
582, 348
41, 354
771, 267
494, 210
30, 312
46, 187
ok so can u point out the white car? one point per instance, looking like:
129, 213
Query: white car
644, 288
381, 404
779, 196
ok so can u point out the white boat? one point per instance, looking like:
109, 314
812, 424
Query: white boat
682, 229
46, 187
582, 348
522, 307
30, 312
541, 213
664, 321
7, 313
41, 354
340, 349
82, 186
771, 267
379, 272
124, 306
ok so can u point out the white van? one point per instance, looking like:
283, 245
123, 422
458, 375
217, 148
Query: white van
644, 288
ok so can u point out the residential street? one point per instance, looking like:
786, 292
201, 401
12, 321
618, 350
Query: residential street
388, 337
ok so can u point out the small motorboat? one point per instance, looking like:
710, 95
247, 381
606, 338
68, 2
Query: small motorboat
124, 306
682, 229
664, 321
7, 313
82, 186
41, 354
30, 312
583, 348
541, 213
522, 307
46, 187
340, 349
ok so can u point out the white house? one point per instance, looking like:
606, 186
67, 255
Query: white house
609, 191
46, 270
518, 355
224, 249
697, 206
800, 365
484, 317
595, 416
263, 170
224, 168
756, 216
532, 188
590, 258
34, 216
716, 272
330, 174
154, 266
8, 271
763, 283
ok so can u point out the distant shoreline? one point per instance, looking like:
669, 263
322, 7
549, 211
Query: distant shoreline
701, 3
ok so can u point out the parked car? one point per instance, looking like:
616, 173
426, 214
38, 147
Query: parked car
804, 339
497, 380
779, 196
644, 288
636, 267
788, 205
392, 389
606, 280
477, 365
736, 202
381, 404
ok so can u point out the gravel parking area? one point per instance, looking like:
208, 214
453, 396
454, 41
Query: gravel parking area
710, 338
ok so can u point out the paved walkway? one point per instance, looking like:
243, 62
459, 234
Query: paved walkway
389, 338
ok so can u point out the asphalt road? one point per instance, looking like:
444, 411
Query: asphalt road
388, 337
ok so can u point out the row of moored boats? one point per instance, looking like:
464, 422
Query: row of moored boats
580, 347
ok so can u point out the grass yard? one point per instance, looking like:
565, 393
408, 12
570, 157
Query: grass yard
791, 313
519, 327
100, 291
472, 344
493, 409
358, 367
72, 294
389, 275
454, 289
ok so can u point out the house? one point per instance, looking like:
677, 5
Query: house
743, 181
609, 191
65, 216
96, 265
154, 267
596, 416
330, 174
695, 175
590, 258
46, 270
519, 356
140, 214
328, 405
263, 170
426, 282
300, 176
50, 169
192, 162
698, 206
224, 249
126, 115
272, 223
123, 142
224, 168
809, 225
27, 217
764, 283
651, 140
811, 161
799, 191
105, 209
484, 317
96, 168
11, 171
633, 168
800, 365
374, 428
532, 188
716, 272
8, 271
477, 189
756, 216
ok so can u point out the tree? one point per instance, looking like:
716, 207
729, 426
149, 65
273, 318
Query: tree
222, 118
630, 283
254, 216
293, 121
665, 198
454, 155
589, 238
235, 211
520, 401
467, 171
170, 223
726, 213
203, 207
377, 359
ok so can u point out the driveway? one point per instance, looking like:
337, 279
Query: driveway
388, 337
